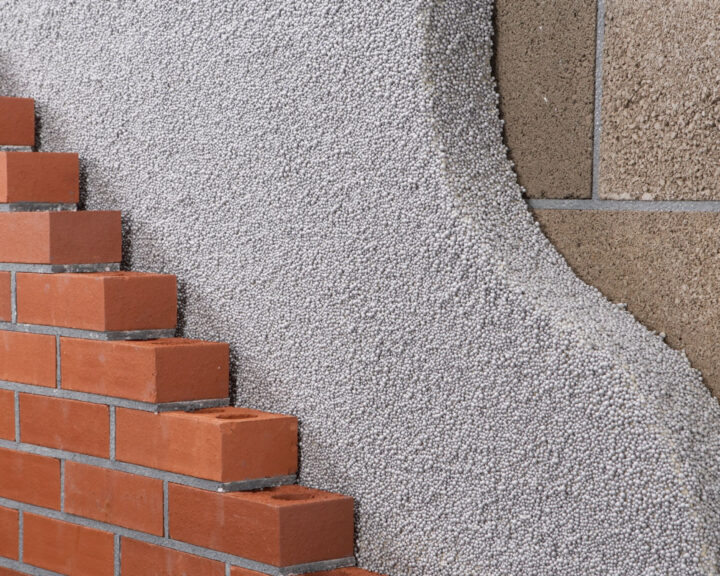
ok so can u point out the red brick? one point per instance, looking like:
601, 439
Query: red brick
8, 572
105, 301
30, 478
67, 548
141, 559
28, 358
164, 370
114, 497
9, 533
17, 121
222, 444
280, 526
60, 237
7, 415
39, 177
5, 297
65, 424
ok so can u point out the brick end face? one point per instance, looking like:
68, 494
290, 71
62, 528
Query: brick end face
17, 122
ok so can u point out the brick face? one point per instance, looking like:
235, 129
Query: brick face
17, 122
106, 301
291, 524
5, 297
222, 444
164, 370
28, 358
30, 478
141, 559
7, 415
126, 500
39, 177
9, 533
85, 237
65, 424
67, 548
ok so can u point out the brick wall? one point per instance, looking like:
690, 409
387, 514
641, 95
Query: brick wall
119, 454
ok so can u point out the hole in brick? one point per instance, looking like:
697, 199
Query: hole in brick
293, 497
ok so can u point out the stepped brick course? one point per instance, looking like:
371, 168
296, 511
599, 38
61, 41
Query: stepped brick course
60, 237
120, 457
105, 301
223, 444
164, 370
39, 177
292, 524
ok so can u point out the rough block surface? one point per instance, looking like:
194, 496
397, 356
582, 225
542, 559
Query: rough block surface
545, 66
660, 105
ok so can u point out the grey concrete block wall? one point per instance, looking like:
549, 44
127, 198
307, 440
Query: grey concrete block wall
328, 181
